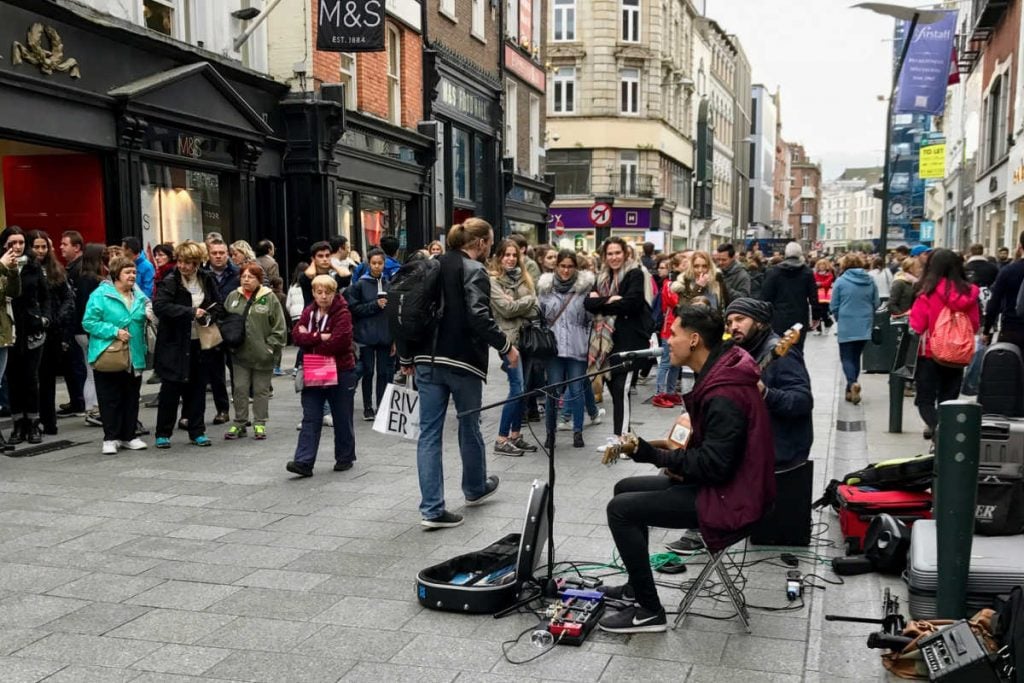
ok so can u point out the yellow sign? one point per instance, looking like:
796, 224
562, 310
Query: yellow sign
932, 162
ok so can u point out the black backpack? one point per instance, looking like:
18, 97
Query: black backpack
415, 302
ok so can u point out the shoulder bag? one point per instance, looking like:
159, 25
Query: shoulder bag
115, 358
536, 338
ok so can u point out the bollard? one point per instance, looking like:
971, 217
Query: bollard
897, 387
958, 442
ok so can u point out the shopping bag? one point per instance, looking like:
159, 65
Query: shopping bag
319, 371
398, 412
209, 336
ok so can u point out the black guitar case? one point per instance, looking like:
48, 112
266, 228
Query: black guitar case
489, 580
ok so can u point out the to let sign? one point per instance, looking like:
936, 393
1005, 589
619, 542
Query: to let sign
350, 26
932, 162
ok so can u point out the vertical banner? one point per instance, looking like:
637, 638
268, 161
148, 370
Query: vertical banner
525, 23
350, 26
925, 74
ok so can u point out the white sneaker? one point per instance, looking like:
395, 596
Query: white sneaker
601, 412
133, 445
328, 420
610, 441
110, 448
298, 427
564, 425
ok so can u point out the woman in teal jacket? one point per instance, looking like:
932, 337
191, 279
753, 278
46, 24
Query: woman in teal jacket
854, 302
117, 311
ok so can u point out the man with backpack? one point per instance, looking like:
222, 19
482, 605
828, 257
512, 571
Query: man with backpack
1002, 305
448, 357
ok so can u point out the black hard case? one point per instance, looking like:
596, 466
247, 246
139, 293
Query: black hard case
433, 587
1002, 376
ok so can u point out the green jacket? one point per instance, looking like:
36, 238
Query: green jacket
10, 287
106, 312
265, 328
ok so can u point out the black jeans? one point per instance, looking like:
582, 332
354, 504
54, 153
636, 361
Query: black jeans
50, 363
75, 374
118, 396
375, 360
23, 380
935, 383
616, 383
191, 393
640, 503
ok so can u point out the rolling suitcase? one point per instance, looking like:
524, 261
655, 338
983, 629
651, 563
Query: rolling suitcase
1001, 389
1002, 447
858, 505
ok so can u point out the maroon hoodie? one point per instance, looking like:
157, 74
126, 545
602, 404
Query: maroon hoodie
339, 325
731, 452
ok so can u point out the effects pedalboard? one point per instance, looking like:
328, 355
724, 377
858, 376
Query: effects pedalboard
574, 615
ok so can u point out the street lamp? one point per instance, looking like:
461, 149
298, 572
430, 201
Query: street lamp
915, 17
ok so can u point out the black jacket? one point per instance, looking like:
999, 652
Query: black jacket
789, 400
737, 280
32, 307
172, 305
226, 282
791, 289
370, 322
633, 321
980, 271
1004, 299
466, 327
84, 287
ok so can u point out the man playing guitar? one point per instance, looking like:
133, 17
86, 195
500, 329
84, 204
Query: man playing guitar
724, 478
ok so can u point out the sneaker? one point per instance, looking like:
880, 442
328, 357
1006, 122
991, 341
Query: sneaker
259, 432
444, 521
235, 432
662, 401
507, 448
153, 379
202, 440
93, 419
855, 394
369, 415
641, 380
133, 445
299, 469
221, 418
109, 448
577, 440
67, 410
278, 372
928, 433
162, 442
152, 403
690, 544
328, 420
596, 419
677, 399
298, 427
623, 593
610, 441
523, 445
635, 619
492, 487
343, 466
565, 424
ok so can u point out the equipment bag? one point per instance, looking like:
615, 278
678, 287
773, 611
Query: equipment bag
1008, 630
415, 301
1002, 376
859, 505
999, 510
952, 339
903, 474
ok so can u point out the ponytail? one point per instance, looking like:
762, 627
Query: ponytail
468, 230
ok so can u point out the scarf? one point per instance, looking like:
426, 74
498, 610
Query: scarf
604, 326
563, 286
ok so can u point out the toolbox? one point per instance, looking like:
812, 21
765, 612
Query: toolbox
858, 505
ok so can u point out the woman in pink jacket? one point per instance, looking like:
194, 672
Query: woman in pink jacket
944, 284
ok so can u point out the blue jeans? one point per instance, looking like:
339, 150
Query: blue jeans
436, 385
849, 356
340, 398
512, 413
560, 370
375, 360
589, 402
668, 376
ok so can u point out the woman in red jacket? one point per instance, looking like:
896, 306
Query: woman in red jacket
944, 285
325, 329
824, 278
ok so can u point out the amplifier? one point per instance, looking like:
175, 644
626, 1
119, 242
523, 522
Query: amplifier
955, 655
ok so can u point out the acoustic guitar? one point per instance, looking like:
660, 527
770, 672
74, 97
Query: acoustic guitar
679, 435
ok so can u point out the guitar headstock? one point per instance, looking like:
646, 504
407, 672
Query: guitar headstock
790, 338
627, 445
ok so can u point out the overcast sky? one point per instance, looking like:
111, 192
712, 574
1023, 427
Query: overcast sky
830, 61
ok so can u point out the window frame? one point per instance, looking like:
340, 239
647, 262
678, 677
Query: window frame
629, 172
352, 84
393, 38
447, 9
580, 168
534, 133
567, 8
629, 14
477, 27
179, 26
561, 82
629, 91
510, 143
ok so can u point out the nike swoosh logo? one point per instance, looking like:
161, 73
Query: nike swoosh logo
641, 622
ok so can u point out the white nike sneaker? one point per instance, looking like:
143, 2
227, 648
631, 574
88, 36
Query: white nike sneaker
135, 444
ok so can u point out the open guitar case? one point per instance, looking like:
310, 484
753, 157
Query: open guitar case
491, 579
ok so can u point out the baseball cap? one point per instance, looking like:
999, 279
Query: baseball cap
920, 249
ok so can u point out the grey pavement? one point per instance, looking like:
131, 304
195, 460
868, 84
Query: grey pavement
215, 564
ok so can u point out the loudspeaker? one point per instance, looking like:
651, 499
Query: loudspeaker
789, 522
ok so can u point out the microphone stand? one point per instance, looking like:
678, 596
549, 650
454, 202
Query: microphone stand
546, 391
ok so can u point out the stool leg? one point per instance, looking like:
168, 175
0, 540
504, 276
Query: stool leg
714, 561
734, 596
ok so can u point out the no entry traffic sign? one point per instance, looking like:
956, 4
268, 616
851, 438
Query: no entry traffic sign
601, 215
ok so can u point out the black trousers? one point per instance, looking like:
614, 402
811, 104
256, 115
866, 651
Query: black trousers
638, 504
616, 383
935, 383
23, 380
216, 361
375, 360
118, 396
75, 374
51, 361
192, 395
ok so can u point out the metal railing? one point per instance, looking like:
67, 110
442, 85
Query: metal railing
630, 184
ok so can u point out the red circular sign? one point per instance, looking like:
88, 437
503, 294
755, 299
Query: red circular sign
601, 215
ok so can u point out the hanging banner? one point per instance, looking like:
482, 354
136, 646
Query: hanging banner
350, 26
925, 73
932, 162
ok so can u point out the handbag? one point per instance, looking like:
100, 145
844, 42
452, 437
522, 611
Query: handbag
319, 370
115, 358
536, 337
232, 326
399, 412
209, 336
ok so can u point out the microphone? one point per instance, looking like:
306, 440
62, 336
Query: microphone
637, 355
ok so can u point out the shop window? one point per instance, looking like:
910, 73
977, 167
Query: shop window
564, 20
564, 101
527, 230
630, 21
460, 164
179, 204
374, 219
572, 170
346, 215
348, 77
511, 120
483, 162
394, 50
